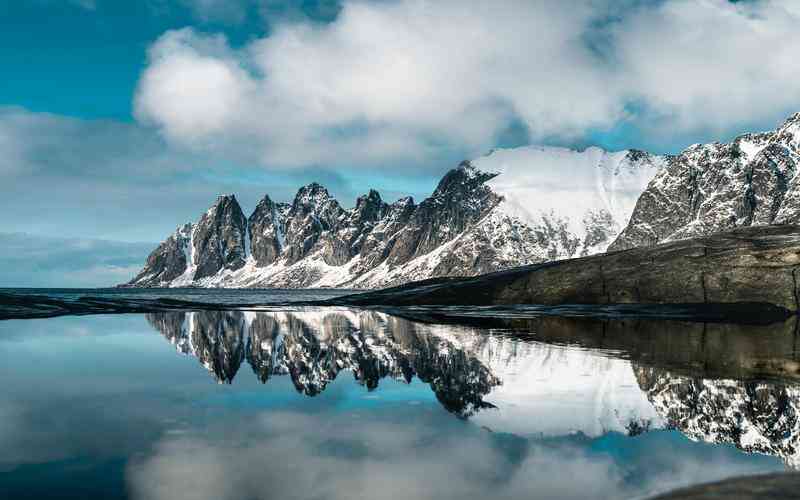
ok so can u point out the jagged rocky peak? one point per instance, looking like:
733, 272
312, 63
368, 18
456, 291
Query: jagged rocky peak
463, 180
708, 188
460, 200
351, 236
313, 212
369, 207
266, 229
218, 240
168, 261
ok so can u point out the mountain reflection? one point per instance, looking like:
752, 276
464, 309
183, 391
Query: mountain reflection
313, 347
541, 376
753, 416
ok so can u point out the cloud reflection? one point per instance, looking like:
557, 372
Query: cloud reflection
292, 455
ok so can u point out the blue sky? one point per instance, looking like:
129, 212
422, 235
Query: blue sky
121, 120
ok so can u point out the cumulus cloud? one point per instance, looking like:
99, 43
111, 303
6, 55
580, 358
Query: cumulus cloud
197, 85
406, 79
384, 80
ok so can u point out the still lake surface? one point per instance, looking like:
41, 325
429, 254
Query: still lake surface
341, 403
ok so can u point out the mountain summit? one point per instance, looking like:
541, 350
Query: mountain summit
509, 208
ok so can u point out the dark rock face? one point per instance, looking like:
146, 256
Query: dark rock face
718, 187
168, 261
219, 238
314, 212
370, 209
754, 264
266, 228
460, 200
377, 244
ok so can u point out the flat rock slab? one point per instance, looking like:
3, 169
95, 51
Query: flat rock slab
748, 265
765, 487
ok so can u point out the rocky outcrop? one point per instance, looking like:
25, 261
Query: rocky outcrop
718, 187
748, 265
314, 212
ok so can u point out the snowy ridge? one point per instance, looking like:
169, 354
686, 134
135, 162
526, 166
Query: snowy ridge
509, 208
577, 202
708, 188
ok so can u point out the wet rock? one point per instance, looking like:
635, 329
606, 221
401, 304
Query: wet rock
763, 487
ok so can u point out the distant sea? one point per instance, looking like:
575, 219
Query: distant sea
221, 296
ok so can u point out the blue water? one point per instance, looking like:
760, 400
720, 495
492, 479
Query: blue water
205, 295
343, 404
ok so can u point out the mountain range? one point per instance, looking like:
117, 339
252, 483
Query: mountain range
509, 208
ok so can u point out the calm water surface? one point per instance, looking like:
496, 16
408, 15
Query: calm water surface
345, 404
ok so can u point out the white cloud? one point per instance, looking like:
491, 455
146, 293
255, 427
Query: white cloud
711, 63
403, 80
384, 80
197, 84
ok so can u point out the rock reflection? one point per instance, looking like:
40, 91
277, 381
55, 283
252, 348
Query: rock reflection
754, 416
312, 347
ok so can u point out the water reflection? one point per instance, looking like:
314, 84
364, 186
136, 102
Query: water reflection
715, 383
342, 403
754, 416
313, 347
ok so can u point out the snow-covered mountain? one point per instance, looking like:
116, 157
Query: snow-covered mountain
509, 208
707, 188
